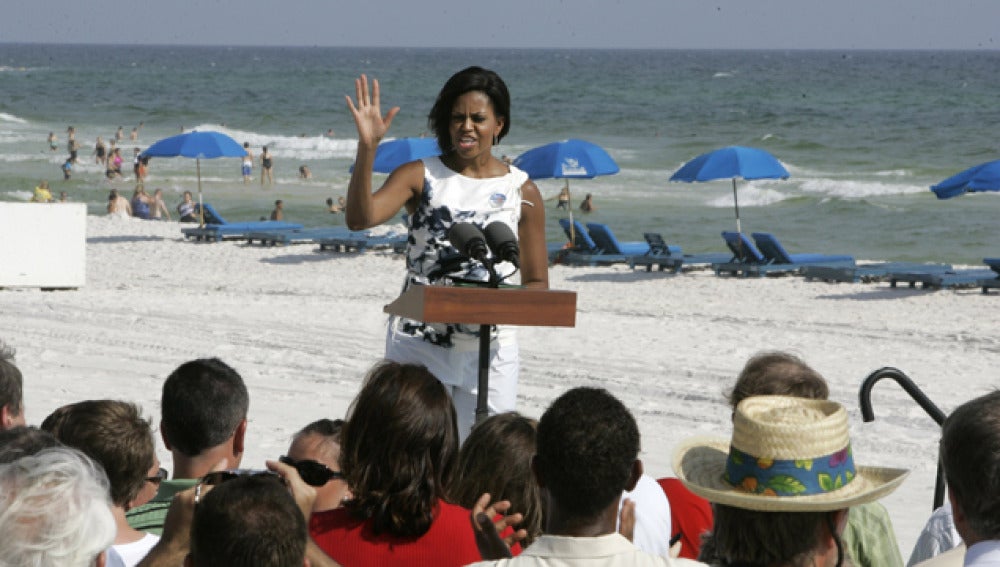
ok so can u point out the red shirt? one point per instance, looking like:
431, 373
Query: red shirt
690, 514
450, 540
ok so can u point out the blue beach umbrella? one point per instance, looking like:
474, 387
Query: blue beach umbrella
197, 145
565, 160
731, 163
393, 153
983, 177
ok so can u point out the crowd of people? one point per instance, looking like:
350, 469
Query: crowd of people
390, 483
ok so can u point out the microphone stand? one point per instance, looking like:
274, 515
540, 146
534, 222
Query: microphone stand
483, 391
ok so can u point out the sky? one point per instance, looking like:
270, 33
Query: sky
603, 24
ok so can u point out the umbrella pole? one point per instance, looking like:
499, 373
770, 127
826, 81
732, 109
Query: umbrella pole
201, 204
739, 230
736, 202
572, 225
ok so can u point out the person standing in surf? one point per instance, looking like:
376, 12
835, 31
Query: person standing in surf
467, 183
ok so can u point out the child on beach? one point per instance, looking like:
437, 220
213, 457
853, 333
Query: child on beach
186, 209
42, 193
66, 168
247, 167
278, 213
157, 208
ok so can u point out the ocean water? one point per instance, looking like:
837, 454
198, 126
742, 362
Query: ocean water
863, 133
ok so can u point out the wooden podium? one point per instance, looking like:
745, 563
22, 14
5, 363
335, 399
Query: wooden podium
485, 306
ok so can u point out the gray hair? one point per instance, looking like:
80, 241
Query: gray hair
55, 510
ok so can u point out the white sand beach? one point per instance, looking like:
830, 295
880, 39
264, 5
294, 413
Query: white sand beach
302, 327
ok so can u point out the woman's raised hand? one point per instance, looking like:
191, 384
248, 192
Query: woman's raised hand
368, 112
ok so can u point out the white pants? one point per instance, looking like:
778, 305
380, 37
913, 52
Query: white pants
458, 369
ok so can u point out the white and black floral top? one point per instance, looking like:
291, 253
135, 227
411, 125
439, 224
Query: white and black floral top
447, 198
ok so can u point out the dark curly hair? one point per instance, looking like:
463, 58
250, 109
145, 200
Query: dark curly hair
588, 442
399, 448
468, 80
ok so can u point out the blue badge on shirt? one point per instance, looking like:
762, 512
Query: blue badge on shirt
497, 200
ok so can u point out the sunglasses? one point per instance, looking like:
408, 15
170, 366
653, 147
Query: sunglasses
313, 473
161, 475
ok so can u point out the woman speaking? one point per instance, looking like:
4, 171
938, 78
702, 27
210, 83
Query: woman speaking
465, 184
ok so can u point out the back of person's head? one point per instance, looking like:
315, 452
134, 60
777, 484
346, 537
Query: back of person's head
588, 443
20, 441
970, 454
468, 80
54, 510
114, 434
496, 458
753, 537
399, 448
778, 374
203, 403
250, 521
11, 389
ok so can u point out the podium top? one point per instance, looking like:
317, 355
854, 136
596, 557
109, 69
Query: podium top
486, 306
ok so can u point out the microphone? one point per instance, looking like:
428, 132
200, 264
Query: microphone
468, 240
503, 243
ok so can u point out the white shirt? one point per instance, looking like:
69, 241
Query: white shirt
652, 517
983, 554
939, 535
610, 550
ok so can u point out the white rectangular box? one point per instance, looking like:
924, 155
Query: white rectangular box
43, 245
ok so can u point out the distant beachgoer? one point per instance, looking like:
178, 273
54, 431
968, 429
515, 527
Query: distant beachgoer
52, 141
329, 133
266, 163
304, 172
71, 144
120, 133
100, 152
279, 210
62, 197
137, 165
339, 207
587, 205
42, 193
116, 162
118, 205
110, 170
140, 203
157, 208
134, 135
563, 201
67, 168
186, 209
247, 163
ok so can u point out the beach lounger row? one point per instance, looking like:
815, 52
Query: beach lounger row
765, 255
217, 228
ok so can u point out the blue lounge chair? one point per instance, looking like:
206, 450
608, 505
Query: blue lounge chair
362, 240
217, 228
295, 235
747, 260
776, 254
605, 239
867, 273
941, 279
584, 252
994, 282
659, 254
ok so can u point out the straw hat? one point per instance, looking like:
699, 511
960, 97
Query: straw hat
786, 455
